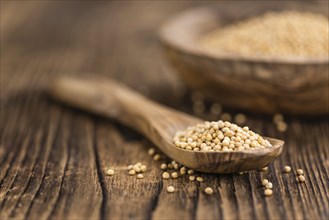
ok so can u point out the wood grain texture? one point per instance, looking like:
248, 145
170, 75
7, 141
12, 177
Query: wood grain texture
53, 158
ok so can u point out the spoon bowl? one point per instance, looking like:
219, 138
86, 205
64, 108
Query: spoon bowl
157, 122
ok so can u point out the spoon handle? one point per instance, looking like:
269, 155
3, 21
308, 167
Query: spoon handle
110, 98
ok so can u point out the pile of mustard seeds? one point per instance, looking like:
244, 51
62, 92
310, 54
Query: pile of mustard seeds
219, 136
286, 33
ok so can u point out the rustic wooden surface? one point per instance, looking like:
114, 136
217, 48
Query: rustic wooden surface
53, 158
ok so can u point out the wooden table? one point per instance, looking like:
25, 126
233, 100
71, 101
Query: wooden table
53, 158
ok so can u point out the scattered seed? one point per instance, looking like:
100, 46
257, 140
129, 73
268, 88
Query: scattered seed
157, 157
278, 118
208, 190
300, 172
165, 175
301, 178
287, 169
110, 172
151, 151
174, 175
282, 126
199, 179
191, 178
140, 176
182, 170
163, 166
269, 185
130, 167
132, 172
170, 189
144, 168
190, 171
268, 192
264, 182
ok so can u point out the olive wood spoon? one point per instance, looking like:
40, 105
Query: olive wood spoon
157, 122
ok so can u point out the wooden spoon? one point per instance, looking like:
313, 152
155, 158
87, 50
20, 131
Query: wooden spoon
157, 122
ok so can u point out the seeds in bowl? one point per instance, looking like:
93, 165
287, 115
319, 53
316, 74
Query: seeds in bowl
219, 136
292, 34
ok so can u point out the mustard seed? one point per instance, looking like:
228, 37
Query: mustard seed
174, 175
163, 166
130, 167
287, 169
301, 178
268, 192
300, 172
182, 170
143, 168
165, 175
170, 189
264, 169
199, 179
226, 116
151, 151
264, 182
110, 172
191, 178
208, 190
240, 119
140, 176
190, 171
269, 185
282, 126
278, 118
157, 157
132, 172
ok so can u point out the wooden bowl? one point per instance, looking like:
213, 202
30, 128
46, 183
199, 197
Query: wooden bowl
292, 85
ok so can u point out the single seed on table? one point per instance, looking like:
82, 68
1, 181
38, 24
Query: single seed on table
163, 166
144, 168
269, 185
268, 192
176, 166
199, 179
140, 176
182, 170
264, 182
137, 168
110, 172
301, 178
132, 172
300, 172
157, 157
130, 167
190, 171
165, 175
170, 189
174, 175
191, 178
208, 190
287, 169
169, 166
151, 151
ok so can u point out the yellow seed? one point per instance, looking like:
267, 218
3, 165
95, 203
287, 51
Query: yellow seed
264, 182
208, 190
157, 157
151, 151
110, 172
163, 166
182, 170
140, 176
199, 179
132, 172
268, 192
300, 172
269, 185
287, 169
301, 178
165, 175
240, 119
190, 171
144, 168
174, 175
278, 118
170, 189
264, 169
191, 178
282, 126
